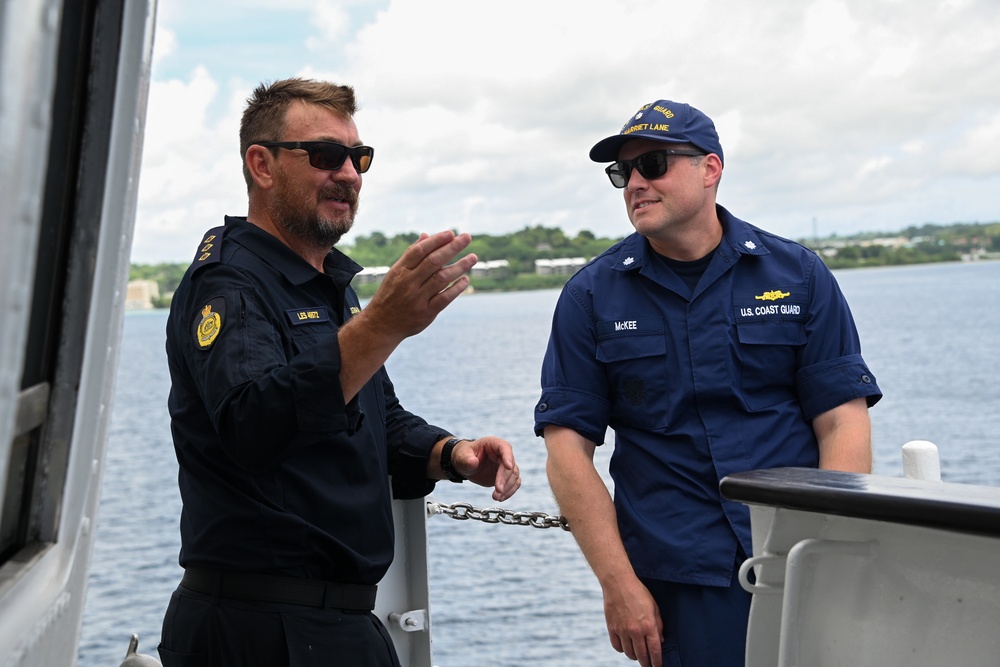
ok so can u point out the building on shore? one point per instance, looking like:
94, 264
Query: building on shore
493, 268
140, 294
562, 266
371, 275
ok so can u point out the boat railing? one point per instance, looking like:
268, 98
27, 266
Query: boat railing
869, 569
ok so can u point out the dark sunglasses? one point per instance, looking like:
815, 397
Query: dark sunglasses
651, 165
328, 155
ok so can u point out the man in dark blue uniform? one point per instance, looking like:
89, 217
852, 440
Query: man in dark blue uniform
288, 432
710, 347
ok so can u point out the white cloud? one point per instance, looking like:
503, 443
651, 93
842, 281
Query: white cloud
863, 113
191, 171
332, 22
165, 43
978, 151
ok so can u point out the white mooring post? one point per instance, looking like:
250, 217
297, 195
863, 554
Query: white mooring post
921, 461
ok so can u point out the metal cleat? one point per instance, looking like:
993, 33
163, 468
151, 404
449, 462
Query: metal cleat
133, 659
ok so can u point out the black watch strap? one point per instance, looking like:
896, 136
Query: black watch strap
446, 464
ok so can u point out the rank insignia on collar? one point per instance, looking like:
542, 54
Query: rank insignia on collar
750, 245
210, 325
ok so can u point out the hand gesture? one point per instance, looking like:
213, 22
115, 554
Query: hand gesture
421, 284
417, 287
488, 461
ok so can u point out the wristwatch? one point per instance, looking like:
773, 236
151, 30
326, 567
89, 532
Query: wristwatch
446, 465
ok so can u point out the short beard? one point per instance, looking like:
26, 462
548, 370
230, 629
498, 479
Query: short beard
310, 228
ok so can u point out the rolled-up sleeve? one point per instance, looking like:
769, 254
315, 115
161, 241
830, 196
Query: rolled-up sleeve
826, 385
574, 393
831, 370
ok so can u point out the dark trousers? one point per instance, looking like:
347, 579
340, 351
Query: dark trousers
200, 630
703, 626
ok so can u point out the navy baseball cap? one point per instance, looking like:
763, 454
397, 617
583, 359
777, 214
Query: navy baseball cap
663, 120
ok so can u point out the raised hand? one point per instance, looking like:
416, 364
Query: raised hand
418, 286
421, 284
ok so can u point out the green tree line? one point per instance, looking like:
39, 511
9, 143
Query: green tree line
924, 243
520, 248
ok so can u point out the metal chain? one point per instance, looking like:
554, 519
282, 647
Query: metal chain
465, 511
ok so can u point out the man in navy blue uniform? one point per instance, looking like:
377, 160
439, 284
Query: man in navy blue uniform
710, 347
290, 438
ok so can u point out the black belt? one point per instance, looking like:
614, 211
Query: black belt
279, 590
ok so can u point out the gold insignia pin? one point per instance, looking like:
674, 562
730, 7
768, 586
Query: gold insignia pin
773, 295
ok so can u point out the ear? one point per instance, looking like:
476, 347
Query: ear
260, 163
713, 170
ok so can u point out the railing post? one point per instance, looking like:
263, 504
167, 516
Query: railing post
921, 461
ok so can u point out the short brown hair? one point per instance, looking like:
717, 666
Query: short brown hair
264, 116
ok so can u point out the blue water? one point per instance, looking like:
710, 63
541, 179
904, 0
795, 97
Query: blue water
511, 596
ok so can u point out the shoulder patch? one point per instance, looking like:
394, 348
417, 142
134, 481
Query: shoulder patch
208, 323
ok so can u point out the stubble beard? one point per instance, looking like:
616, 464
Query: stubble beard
307, 225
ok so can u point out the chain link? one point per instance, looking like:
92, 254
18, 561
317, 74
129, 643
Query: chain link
465, 511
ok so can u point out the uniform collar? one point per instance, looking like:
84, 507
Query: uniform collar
739, 235
294, 268
635, 251
633, 254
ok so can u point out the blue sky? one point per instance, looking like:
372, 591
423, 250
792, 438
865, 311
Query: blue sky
835, 115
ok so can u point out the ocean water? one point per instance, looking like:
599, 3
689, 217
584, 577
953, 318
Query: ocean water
511, 596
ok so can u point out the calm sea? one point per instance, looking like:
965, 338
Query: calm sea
511, 596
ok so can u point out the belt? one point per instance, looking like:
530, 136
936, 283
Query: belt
279, 590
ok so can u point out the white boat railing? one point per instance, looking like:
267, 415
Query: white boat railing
852, 569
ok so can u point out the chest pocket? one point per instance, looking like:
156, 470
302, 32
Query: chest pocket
636, 363
770, 353
309, 327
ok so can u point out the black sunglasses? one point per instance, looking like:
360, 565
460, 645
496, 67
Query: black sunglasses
328, 155
651, 165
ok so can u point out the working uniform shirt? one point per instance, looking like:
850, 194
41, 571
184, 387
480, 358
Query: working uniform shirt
699, 384
277, 474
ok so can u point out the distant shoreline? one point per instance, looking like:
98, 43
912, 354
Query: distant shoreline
544, 257
490, 286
